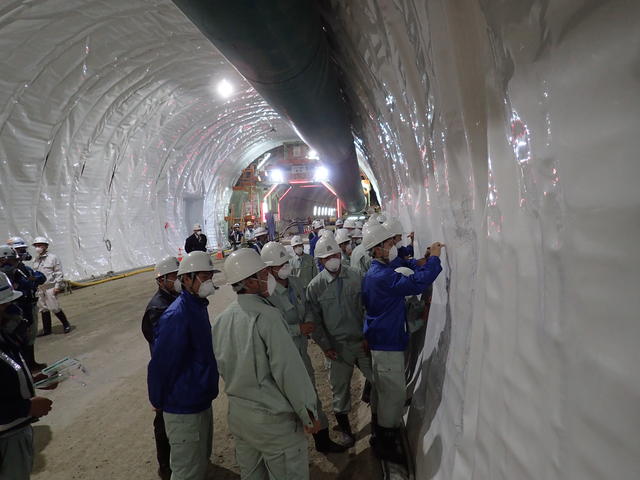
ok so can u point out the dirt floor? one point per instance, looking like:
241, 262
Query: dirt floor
101, 423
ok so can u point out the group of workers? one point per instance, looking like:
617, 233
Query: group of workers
25, 289
355, 309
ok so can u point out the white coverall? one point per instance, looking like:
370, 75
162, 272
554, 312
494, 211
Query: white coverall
270, 394
336, 308
50, 266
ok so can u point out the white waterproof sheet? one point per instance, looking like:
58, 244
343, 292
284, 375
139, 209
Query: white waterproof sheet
508, 130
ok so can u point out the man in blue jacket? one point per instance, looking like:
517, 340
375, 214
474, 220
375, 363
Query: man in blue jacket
183, 374
314, 236
385, 329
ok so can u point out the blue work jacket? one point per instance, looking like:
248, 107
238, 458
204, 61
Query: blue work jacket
383, 292
183, 374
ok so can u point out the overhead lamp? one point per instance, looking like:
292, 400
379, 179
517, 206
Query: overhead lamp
276, 175
224, 88
321, 174
312, 154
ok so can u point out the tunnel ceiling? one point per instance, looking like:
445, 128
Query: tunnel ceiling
108, 119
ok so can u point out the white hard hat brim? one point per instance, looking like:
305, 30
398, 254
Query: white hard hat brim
14, 296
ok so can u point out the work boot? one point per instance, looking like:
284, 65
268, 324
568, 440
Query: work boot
387, 446
345, 427
28, 351
63, 319
324, 444
46, 324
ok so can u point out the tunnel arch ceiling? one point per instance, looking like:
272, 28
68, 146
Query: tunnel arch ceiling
108, 120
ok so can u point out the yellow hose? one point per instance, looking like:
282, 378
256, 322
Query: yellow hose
108, 279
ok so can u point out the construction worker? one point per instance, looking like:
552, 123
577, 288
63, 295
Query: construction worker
182, 374
26, 281
349, 225
169, 287
49, 265
339, 223
289, 297
359, 224
272, 401
248, 233
356, 236
260, 239
235, 237
197, 241
19, 406
21, 247
385, 329
336, 308
314, 236
343, 239
360, 259
303, 265
404, 252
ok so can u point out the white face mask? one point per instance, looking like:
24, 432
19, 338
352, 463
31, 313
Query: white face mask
177, 285
39, 250
298, 250
393, 253
333, 265
284, 271
271, 284
206, 289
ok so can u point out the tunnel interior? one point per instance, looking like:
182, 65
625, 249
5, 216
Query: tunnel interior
506, 130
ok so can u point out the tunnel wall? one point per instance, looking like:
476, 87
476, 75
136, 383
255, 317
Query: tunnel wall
509, 130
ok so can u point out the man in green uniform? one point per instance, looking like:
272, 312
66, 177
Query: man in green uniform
303, 265
289, 297
336, 308
343, 238
272, 402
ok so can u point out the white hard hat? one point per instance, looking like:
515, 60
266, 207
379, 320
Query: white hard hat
316, 224
326, 247
7, 293
324, 232
17, 242
296, 240
236, 225
374, 217
357, 233
197, 227
394, 226
40, 240
274, 254
406, 271
166, 265
339, 222
359, 224
260, 231
382, 218
241, 264
375, 235
349, 223
342, 236
7, 251
196, 261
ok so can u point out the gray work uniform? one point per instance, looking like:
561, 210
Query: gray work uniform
292, 303
336, 308
269, 390
346, 260
360, 260
303, 267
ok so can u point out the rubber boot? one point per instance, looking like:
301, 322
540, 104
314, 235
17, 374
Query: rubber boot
345, 427
374, 429
46, 324
324, 444
387, 446
28, 352
63, 319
